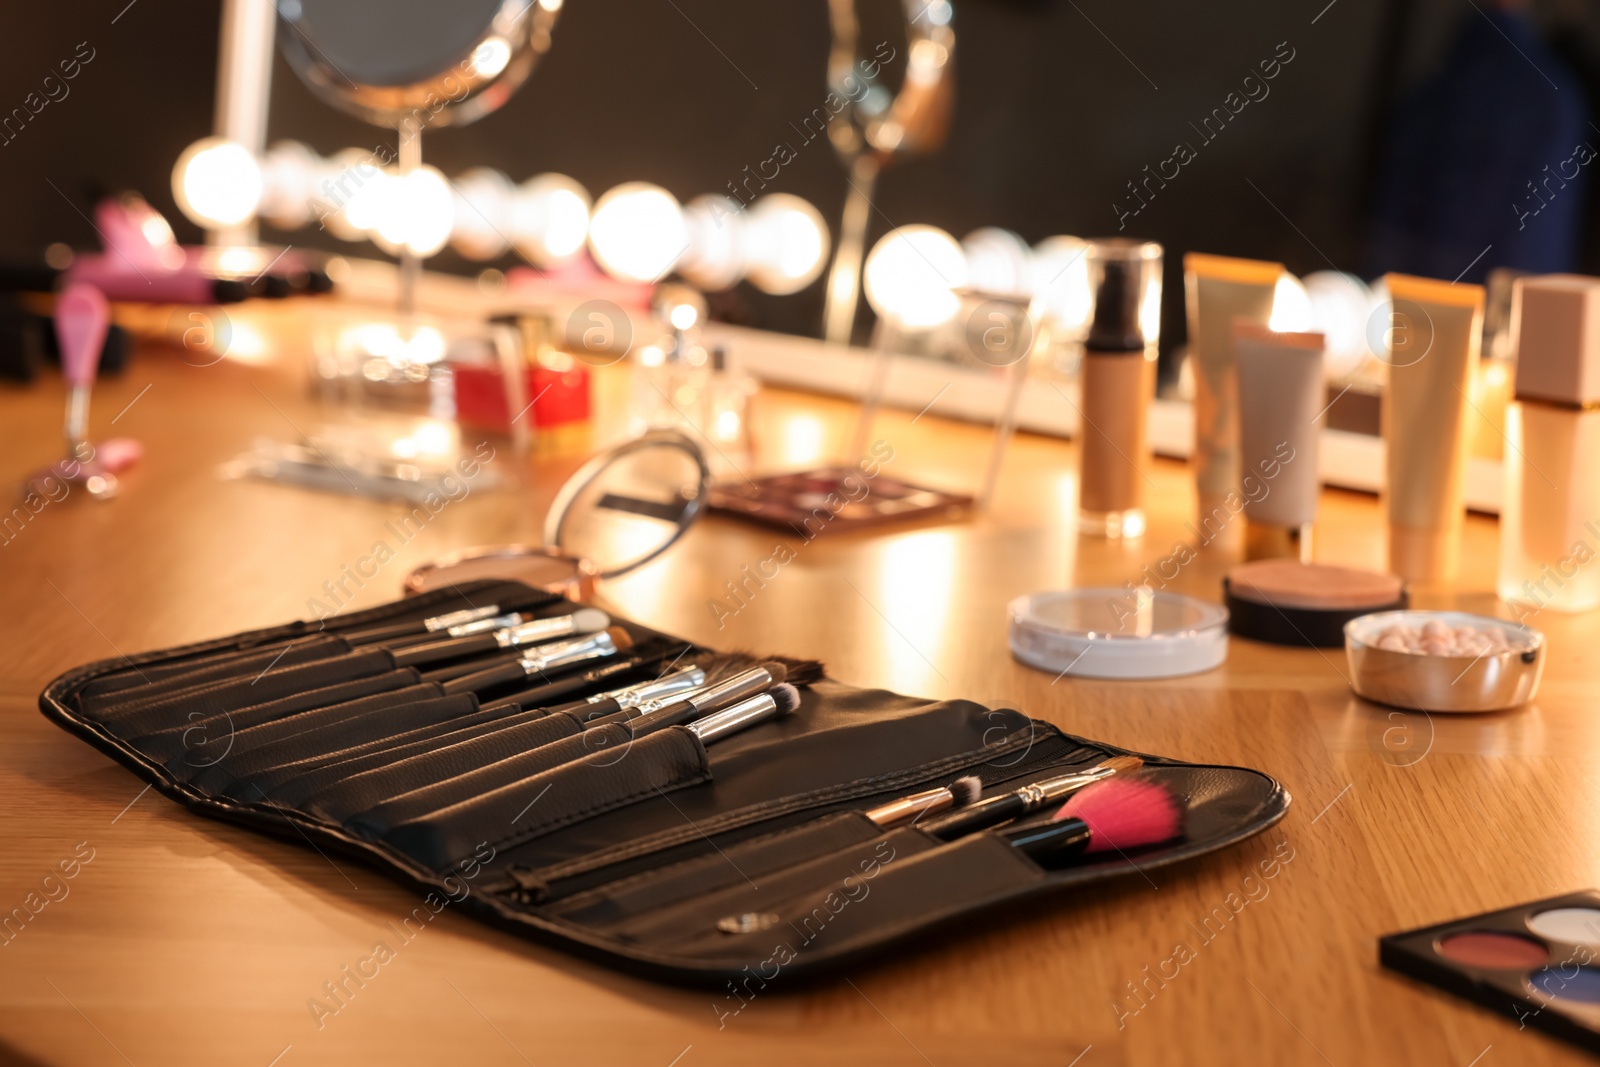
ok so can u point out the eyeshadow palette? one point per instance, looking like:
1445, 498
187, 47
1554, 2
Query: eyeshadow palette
1538, 962
807, 502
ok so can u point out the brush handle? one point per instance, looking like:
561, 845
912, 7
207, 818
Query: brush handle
450, 648
975, 817
539, 696
466, 666
505, 673
369, 634
1048, 841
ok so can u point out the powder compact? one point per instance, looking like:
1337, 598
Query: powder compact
1538, 962
1285, 602
1128, 632
1444, 660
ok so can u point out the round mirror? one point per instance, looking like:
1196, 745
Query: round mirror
409, 64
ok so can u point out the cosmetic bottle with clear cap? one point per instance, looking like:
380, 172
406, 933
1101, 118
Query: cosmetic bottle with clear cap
1119, 377
1550, 510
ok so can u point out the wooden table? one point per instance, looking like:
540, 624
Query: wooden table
186, 941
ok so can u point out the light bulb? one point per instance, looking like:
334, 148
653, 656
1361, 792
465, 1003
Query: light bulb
786, 242
350, 194
998, 262
1339, 307
911, 276
490, 57
289, 175
1059, 278
716, 225
1291, 306
637, 232
482, 198
217, 183
549, 219
414, 211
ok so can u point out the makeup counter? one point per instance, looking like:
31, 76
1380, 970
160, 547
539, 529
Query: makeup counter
1401, 818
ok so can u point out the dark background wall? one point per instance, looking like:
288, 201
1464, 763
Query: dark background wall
1059, 104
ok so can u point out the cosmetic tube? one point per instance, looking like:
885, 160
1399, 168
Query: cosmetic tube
1119, 367
1550, 511
1219, 290
1434, 339
1280, 422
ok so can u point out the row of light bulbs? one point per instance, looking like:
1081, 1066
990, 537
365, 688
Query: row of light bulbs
637, 232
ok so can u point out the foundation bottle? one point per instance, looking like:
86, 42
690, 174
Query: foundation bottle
1550, 510
1119, 369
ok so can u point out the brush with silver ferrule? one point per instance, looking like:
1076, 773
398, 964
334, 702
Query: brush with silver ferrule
537, 632
712, 698
657, 692
543, 661
958, 794
418, 627
1030, 798
782, 700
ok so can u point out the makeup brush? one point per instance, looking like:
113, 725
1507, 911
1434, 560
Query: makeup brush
1119, 815
958, 794
710, 700
538, 662
538, 632
82, 319
781, 701
542, 696
992, 811
436, 624
678, 684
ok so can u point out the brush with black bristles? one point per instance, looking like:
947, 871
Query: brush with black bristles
958, 794
1119, 815
1034, 796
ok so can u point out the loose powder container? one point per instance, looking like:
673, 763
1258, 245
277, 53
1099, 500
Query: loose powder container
1128, 632
1285, 602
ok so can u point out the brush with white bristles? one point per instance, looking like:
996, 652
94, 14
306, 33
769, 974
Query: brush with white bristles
1118, 815
958, 794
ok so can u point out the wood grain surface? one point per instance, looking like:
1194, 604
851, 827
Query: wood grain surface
187, 941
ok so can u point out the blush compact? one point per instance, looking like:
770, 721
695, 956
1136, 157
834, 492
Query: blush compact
1285, 602
1538, 963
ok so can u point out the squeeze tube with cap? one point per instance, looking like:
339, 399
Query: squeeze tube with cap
1280, 408
1218, 291
1434, 338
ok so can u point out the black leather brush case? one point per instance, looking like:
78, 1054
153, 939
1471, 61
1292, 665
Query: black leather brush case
666, 858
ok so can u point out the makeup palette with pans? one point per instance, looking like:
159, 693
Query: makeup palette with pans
807, 501
1538, 962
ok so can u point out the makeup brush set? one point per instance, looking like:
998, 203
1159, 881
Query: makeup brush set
669, 809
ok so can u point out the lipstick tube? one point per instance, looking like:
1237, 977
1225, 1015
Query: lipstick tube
1435, 336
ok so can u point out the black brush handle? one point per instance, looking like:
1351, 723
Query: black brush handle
975, 817
540, 695
448, 649
505, 673
366, 635
467, 666
1048, 841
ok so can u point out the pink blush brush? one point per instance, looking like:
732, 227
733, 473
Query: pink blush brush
82, 318
1119, 815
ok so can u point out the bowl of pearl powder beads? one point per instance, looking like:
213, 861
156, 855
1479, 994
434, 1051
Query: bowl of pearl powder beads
1443, 660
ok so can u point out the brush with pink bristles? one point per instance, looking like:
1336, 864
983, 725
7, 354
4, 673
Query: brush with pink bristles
1118, 815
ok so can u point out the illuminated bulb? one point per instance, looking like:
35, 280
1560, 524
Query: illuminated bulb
415, 212
290, 176
482, 211
911, 276
998, 262
637, 232
1291, 306
490, 57
217, 183
1059, 275
786, 242
549, 219
351, 193
716, 225
684, 316
1339, 306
